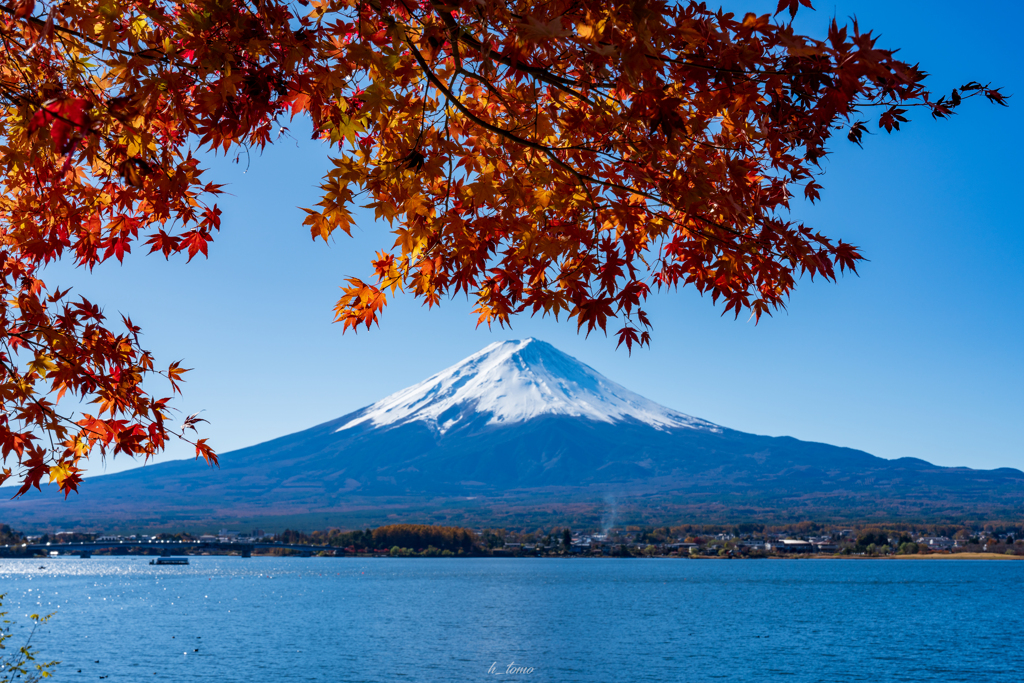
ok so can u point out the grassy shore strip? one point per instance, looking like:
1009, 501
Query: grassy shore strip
932, 556
959, 556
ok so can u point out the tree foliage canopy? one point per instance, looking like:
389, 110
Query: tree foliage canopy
562, 157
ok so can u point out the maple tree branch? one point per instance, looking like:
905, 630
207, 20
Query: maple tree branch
50, 412
742, 72
541, 74
487, 84
17, 62
56, 416
547, 151
450, 96
57, 28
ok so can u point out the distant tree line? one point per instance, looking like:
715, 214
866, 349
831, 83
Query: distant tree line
422, 536
416, 537
9, 536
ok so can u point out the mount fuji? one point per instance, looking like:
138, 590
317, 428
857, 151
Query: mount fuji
514, 382
521, 433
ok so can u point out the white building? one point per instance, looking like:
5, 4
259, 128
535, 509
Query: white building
936, 542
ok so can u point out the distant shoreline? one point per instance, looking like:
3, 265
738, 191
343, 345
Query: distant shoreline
363, 556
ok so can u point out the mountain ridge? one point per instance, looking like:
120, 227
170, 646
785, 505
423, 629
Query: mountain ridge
513, 432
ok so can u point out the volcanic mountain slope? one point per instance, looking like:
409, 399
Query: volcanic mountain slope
521, 427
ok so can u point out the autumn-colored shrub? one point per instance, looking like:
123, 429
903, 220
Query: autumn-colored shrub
19, 664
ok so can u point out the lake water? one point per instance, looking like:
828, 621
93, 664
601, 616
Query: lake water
390, 619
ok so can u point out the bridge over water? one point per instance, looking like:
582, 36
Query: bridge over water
164, 548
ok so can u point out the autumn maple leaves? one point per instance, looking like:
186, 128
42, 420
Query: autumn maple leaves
572, 156
62, 118
557, 157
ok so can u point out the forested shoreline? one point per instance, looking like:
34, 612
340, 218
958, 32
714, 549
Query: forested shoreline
748, 540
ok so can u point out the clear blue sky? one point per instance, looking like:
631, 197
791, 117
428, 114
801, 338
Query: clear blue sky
921, 355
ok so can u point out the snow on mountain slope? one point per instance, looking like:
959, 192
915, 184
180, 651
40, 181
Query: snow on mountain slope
515, 381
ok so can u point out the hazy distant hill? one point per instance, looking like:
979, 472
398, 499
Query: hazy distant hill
518, 433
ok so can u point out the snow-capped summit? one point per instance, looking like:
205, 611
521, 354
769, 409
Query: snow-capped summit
516, 381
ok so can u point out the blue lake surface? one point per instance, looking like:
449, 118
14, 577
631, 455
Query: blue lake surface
391, 619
